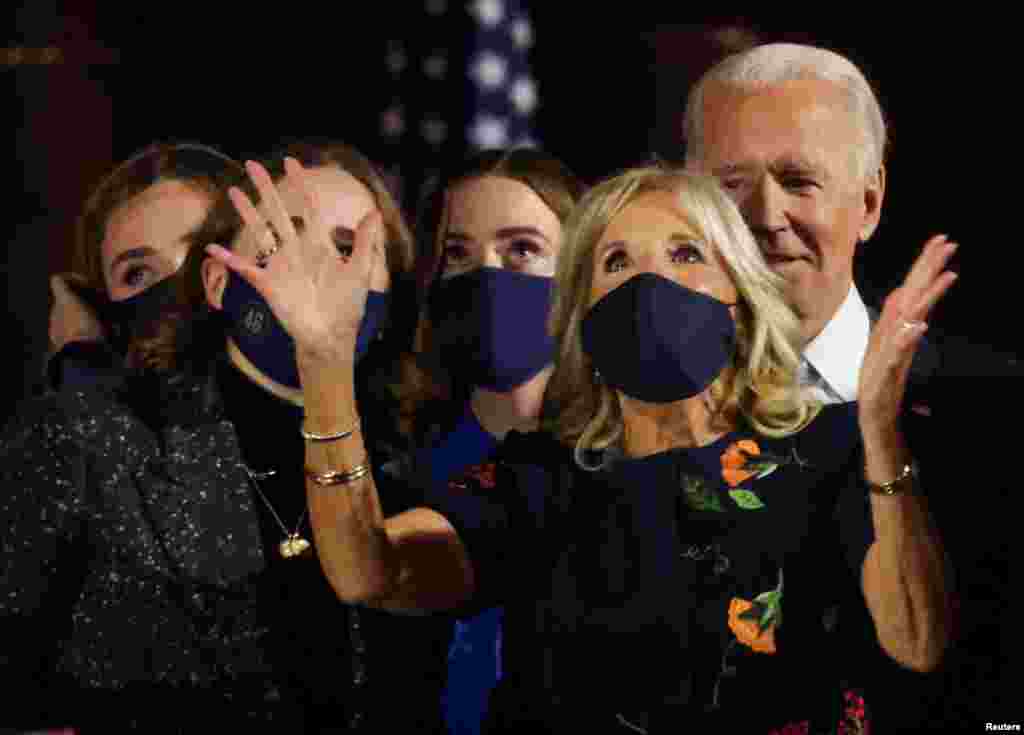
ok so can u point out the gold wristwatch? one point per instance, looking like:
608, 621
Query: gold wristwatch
902, 485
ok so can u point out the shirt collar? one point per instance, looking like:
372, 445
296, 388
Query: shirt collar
838, 350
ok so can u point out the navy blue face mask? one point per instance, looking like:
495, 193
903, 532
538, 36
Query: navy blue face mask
491, 326
131, 317
266, 343
658, 341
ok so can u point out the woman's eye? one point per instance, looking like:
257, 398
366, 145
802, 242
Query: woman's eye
798, 182
615, 262
343, 244
455, 254
686, 253
137, 275
523, 249
455, 257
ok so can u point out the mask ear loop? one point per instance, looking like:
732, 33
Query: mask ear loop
579, 452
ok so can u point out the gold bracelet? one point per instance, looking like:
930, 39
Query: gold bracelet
334, 477
311, 437
902, 484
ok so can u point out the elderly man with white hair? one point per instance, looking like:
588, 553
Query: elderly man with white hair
796, 136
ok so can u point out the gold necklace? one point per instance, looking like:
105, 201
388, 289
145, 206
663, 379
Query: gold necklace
293, 545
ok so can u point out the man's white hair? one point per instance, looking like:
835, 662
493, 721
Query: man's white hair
775, 63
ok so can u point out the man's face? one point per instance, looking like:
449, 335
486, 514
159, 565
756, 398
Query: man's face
786, 154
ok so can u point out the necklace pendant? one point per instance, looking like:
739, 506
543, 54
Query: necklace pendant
293, 546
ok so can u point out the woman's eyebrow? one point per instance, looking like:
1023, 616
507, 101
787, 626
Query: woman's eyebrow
507, 232
609, 245
132, 254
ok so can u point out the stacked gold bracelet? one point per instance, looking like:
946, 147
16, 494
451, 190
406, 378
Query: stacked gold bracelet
311, 437
333, 477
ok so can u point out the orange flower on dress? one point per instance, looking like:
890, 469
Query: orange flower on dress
736, 462
747, 631
481, 475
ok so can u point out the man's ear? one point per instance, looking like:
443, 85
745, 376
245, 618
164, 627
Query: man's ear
215, 280
874, 195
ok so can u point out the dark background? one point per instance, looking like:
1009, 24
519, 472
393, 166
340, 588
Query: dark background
612, 81
611, 89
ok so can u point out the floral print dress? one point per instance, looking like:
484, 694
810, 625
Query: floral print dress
728, 498
688, 588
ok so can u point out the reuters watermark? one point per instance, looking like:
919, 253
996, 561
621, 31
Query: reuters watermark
1002, 727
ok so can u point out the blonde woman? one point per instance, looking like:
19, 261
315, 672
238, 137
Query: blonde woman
661, 549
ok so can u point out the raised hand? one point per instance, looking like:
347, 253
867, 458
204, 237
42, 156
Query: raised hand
318, 295
896, 335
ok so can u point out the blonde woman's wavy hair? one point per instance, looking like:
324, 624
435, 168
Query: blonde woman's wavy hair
583, 412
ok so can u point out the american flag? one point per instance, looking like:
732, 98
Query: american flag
460, 80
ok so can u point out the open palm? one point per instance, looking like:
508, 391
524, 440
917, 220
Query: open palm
895, 337
318, 295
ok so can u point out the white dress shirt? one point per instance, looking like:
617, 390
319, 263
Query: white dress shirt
831, 361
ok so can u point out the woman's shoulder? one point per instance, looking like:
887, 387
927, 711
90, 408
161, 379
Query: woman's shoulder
837, 415
52, 437
74, 411
99, 418
827, 442
835, 427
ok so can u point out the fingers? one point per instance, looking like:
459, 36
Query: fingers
271, 206
72, 279
255, 226
315, 229
59, 286
62, 287
251, 272
925, 284
929, 265
368, 250
930, 297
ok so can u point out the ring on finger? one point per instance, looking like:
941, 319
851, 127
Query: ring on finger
910, 324
263, 256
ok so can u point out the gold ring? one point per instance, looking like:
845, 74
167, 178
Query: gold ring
264, 255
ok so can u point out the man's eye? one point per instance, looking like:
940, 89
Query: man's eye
799, 182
